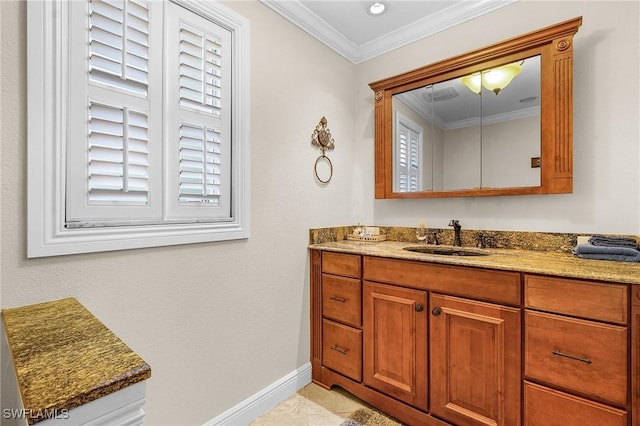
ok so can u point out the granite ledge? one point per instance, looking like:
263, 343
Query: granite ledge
65, 357
517, 260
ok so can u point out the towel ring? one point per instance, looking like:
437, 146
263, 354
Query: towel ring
315, 168
322, 139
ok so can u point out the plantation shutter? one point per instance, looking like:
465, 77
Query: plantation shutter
115, 140
118, 155
407, 162
199, 134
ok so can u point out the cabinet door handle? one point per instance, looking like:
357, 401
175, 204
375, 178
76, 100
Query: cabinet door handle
419, 307
338, 299
340, 349
436, 312
577, 358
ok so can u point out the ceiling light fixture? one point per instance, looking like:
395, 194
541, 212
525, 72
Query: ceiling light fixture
377, 8
494, 79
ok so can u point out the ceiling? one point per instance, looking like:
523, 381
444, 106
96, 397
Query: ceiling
347, 27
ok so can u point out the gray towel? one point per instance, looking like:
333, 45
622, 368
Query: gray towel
601, 240
620, 254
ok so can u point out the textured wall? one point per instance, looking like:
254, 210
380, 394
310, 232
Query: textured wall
217, 322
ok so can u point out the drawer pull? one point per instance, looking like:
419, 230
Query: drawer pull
436, 312
340, 349
338, 299
585, 360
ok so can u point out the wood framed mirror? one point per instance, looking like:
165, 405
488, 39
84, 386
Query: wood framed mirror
448, 130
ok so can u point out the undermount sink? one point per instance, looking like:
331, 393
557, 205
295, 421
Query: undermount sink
447, 251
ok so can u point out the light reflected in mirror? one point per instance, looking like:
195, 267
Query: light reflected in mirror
457, 135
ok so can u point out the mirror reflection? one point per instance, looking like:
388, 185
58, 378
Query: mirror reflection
477, 131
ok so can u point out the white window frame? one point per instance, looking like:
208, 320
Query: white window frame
48, 100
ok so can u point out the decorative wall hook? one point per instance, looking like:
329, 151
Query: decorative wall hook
322, 139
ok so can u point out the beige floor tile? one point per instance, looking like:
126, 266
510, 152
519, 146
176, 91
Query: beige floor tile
314, 406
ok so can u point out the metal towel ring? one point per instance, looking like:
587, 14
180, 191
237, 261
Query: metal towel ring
322, 138
315, 168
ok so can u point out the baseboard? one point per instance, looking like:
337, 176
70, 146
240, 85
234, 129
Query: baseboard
261, 402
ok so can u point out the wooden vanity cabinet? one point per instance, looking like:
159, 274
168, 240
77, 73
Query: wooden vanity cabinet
635, 352
435, 344
575, 352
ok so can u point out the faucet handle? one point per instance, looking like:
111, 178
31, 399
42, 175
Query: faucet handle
434, 233
480, 240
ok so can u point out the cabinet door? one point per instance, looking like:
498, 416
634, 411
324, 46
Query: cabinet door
475, 362
395, 342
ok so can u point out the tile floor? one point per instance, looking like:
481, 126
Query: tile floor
314, 406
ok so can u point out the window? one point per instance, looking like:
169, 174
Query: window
138, 125
407, 155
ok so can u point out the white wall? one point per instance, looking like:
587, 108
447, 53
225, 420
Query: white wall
606, 195
217, 322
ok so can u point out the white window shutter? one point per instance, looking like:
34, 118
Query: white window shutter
115, 137
407, 155
198, 133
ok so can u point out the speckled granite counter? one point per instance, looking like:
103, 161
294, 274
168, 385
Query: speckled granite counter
538, 262
65, 357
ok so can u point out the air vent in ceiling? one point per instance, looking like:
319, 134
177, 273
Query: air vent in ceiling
443, 94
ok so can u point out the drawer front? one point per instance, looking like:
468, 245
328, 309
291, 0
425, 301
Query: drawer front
583, 356
342, 349
585, 299
482, 284
342, 299
347, 265
548, 407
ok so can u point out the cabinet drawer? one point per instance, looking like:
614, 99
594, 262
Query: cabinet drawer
598, 301
342, 299
548, 407
482, 284
342, 349
583, 356
347, 265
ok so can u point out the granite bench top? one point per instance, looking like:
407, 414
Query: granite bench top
528, 261
65, 357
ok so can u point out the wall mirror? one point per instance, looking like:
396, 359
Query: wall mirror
495, 121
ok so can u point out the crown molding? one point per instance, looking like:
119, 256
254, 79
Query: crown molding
295, 12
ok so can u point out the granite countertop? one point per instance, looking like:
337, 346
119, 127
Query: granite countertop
531, 261
65, 357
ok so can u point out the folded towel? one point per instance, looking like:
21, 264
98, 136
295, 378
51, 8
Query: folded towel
601, 240
620, 254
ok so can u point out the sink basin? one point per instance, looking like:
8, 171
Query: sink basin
447, 251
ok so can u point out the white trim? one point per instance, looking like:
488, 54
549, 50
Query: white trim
46, 96
462, 11
256, 405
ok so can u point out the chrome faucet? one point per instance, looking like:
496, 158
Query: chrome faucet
457, 228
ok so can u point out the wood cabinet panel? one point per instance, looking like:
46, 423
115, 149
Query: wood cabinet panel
342, 349
395, 342
342, 299
578, 355
347, 265
585, 299
635, 352
548, 407
495, 286
475, 362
